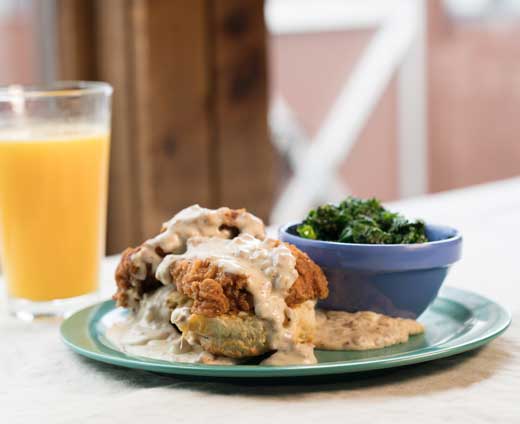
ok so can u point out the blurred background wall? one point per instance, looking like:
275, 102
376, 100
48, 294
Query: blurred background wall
473, 87
208, 94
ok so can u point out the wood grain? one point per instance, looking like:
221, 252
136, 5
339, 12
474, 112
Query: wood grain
189, 107
245, 156
76, 59
115, 65
171, 116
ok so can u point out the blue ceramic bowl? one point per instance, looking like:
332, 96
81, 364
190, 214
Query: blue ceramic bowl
393, 279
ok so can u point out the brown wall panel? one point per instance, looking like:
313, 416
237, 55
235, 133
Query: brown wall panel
190, 104
245, 156
115, 65
171, 116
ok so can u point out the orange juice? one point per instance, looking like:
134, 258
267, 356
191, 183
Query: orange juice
52, 213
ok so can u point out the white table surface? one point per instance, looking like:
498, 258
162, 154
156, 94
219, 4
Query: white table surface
41, 381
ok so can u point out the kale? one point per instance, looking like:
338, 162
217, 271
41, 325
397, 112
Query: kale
361, 221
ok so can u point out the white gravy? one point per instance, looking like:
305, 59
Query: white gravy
339, 330
149, 333
270, 272
190, 222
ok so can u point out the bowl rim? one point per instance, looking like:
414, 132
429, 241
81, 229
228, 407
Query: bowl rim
456, 237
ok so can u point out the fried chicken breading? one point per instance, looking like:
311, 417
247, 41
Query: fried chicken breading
216, 292
311, 282
128, 293
132, 282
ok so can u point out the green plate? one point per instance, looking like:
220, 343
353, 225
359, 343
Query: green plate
457, 321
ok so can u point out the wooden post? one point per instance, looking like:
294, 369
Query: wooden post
115, 65
171, 77
190, 104
76, 54
245, 156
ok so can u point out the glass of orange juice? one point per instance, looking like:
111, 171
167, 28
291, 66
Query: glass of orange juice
54, 151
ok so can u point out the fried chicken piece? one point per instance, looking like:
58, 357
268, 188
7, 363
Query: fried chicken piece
311, 282
129, 290
122, 277
223, 222
216, 292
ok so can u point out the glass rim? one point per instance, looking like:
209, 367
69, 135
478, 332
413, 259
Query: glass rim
54, 89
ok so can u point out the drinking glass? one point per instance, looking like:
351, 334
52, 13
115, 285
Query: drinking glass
54, 153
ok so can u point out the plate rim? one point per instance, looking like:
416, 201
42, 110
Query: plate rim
494, 329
